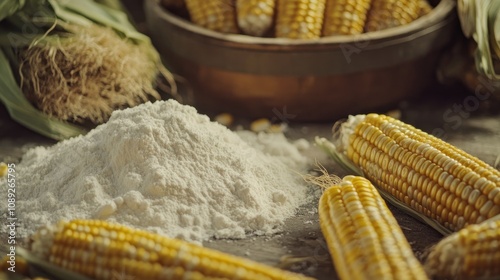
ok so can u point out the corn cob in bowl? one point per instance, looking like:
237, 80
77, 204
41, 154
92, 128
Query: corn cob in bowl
301, 19
103, 250
311, 80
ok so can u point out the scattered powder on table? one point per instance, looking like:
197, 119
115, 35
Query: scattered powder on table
165, 168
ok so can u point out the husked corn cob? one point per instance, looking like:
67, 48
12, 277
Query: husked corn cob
300, 19
217, 15
471, 253
390, 13
345, 17
255, 17
104, 250
363, 236
427, 174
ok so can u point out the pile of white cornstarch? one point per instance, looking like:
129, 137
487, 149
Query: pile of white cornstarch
165, 168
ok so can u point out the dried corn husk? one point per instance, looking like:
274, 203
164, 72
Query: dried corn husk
77, 61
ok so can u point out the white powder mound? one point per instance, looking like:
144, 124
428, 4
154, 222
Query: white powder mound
165, 168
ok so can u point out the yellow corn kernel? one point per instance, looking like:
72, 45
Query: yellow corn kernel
277, 128
363, 237
225, 119
345, 17
391, 13
471, 253
300, 19
427, 174
3, 169
255, 17
260, 125
217, 15
103, 250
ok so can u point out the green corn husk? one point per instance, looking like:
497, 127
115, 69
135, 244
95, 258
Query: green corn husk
64, 62
481, 21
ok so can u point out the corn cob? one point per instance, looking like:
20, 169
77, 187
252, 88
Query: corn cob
104, 250
255, 17
471, 253
390, 13
300, 19
425, 173
363, 236
345, 17
217, 15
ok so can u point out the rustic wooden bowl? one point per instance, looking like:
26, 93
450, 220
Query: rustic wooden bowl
303, 80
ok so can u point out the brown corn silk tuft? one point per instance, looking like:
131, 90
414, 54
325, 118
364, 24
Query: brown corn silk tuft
298, 19
88, 74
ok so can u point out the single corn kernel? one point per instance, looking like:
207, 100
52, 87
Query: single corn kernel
3, 169
277, 128
396, 114
260, 125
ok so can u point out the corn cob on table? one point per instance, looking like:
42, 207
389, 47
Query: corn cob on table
302, 242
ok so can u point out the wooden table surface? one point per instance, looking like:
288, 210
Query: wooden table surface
475, 130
